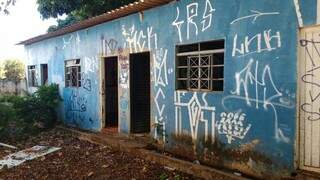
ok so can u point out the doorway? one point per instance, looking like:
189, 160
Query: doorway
111, 93
44, 74
140, 92
309, 99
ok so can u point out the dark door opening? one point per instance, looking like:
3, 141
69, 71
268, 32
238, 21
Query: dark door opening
111, 91
140, 92
44, 74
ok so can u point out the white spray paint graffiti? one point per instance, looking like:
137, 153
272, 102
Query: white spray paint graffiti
178, 24
109, 46
232, 125
255, 15
298, 13
138, 41
196, 115
160, 64
249, 78
90, 64
192, 13
72, 38
259, 43
207, 16
161, 81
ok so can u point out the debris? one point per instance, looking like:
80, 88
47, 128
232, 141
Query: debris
20, 157
8, 146
169, 168
144, 169
43, 158
73, 163
90, 174
196, 162
237, 174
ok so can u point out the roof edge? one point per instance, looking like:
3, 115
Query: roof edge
122, 11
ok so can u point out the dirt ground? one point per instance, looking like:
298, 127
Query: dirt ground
82, 160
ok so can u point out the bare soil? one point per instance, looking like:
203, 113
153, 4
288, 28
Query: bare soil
83, 160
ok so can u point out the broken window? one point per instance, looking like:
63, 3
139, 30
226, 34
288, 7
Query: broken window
32, 76
73, 73
200, 67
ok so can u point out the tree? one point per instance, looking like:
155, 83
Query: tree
14, 71
76, 10
5, 4
1, 70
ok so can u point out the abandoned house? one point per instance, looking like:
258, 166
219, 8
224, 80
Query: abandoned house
230, 83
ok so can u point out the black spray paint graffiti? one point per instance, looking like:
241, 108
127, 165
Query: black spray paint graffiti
86, 82
311, 78
76, 107
77, 103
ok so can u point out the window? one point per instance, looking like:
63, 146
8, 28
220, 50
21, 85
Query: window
32, 76
73, 73
200, 67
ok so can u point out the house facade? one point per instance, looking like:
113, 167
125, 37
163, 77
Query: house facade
229, 83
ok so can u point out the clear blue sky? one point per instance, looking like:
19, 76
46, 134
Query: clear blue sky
23, 22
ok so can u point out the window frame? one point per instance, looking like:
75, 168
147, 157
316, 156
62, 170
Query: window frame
73, 70
197, 52
32, 76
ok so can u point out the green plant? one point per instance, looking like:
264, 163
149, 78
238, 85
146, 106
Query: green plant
6, 114
177, 177
42, 104
163, 176
48, 95
21, 117
159, 128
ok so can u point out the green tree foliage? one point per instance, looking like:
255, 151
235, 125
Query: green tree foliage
76, 10
1, 70
13, 70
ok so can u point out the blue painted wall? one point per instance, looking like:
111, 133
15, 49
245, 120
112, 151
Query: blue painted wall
308, 11
255, 115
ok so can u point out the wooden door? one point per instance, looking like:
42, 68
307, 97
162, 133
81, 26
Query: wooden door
140, 92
